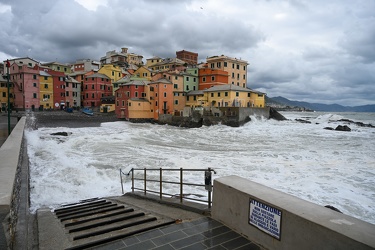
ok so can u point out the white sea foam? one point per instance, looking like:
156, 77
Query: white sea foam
322, 166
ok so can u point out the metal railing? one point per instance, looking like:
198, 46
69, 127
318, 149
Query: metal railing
207, 182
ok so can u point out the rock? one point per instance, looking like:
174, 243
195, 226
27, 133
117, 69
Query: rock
329, 128
342, 128
61, 133
276, 115
302, 121
333, 208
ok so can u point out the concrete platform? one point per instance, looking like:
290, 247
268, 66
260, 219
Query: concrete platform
187, 229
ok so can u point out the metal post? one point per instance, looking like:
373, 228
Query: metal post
209, 192
145, 181
132, 180
181, 189
122, 186
8, 66
161, 183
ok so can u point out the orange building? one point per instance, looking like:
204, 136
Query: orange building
211, 77
188, 57
161, 97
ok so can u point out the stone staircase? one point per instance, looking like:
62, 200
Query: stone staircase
91, 223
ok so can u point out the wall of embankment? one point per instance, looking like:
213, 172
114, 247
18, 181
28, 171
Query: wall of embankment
10, 155
276, 220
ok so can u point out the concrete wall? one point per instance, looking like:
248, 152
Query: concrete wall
10, 153
304, 225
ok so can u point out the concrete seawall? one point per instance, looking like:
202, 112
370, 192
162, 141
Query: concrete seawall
10, 153
276, 220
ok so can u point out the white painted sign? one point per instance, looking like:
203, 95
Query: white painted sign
265, 218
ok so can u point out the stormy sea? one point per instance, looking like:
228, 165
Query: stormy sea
304, 159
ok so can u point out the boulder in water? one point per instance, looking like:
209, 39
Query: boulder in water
342, 128
333, 208
61, 133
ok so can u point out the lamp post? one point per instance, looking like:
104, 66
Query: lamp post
8, 66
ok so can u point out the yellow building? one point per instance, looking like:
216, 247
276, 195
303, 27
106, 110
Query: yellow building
232, 96
113, 72
61, 67
152, 61
4, 94
45, 90
139, 108
143, 72
236, 68
195, 98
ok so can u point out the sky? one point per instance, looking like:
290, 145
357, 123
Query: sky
316, 51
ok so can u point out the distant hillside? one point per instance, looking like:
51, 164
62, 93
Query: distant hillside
320, 107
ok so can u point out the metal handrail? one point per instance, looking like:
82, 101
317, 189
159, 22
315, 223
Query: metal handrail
207, 182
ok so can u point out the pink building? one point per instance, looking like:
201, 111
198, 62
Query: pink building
26, 85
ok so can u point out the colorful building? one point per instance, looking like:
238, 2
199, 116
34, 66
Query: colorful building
72, 92
61, 67
168, 64
26, 84
190, 58
95, 86
46, 90
135, 89
143, 72
236, 68
4, 94
86, 65
152, 61
211, 77
232, 96
161, 97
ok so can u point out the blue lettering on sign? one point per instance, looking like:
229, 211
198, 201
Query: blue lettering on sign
265, 218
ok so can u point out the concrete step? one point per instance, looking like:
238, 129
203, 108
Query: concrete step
93, 222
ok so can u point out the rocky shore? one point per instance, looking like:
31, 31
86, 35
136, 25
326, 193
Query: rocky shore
63, 119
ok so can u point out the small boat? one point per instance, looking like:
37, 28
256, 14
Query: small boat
87, 111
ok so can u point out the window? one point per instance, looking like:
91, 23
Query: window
156, 103
212, 78
187, 98
248, 94
176, 102
67, 93
238, 76
113, 73
86, 86
212, 94
244, 67
34, 84
212, 65
87, 95
46, 78
187, 87
187, 78
35, 95
194, 79
34, 76
232, 65
194, 88
175, 86
232, 75
67, 85
238, 66
203, 79
93, 95
225, 64
244, 77
92, 86
165, 86
218, 94
176, 94
123, 103
226, 93
165, 94
218, 64
129, 104
237, 94
46, 86
195, 98
136, 94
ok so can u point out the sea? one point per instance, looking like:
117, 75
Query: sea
326, 167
